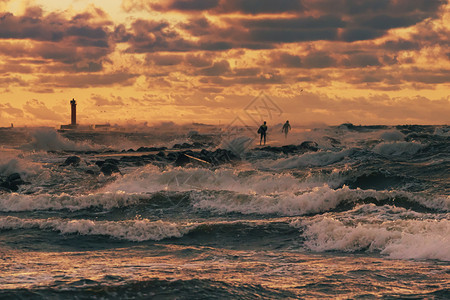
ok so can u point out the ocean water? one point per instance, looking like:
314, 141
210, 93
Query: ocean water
361, 213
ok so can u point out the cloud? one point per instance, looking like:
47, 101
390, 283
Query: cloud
88, 80
361, 60
39, 110
8, 81
8, 109
215, 6
218, 68
199, 60
83, 38
192, 5
374, 109
103, 101
315, 20
164, 60
260, 6
286, 60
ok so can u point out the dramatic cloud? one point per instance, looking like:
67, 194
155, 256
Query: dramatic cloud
83, 39
10, 110
208, 55
90, 80
39, 110
103, 101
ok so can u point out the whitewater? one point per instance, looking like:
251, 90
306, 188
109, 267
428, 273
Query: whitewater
359, 212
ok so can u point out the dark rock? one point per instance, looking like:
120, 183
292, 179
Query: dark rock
91, 152
198, 145
182, 160
171, 156
71, 160
12, 182
182, 146
309, 145
108, 169
289, 149
14, 177
150, 149
148, 157
100, 163
112, 161
161, 154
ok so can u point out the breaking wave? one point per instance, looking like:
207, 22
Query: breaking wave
133, 230
398, 148
400, 239
51, 140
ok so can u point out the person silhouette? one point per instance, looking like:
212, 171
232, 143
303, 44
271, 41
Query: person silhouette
286, 128
262, 131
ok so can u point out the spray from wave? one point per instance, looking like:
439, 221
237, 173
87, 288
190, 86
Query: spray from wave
51, 140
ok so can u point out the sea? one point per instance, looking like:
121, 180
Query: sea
196, 212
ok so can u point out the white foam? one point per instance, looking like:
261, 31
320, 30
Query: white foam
316, 200
400, 239
151, 179
398, 148
442, 131
392, 135
316, 159
132, 230
312, 201
107, 200
11, 163
50, 140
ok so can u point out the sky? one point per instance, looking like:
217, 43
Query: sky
225, 61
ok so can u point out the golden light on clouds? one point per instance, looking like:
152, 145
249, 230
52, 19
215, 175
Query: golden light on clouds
331, 61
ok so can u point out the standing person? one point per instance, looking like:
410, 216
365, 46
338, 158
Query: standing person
262, 130
286, 128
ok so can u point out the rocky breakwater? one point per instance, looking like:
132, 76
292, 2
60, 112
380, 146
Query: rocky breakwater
11, 183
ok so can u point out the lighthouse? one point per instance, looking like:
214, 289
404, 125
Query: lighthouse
73, 105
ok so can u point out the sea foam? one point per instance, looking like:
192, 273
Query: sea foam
400, 239
132, 230
398, 148
50, 140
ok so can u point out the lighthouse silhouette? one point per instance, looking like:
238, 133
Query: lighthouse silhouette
73, 104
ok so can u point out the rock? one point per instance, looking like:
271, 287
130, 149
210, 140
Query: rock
288, 149
182, 146
112, 161
160, 155
150, 149
14, 177
309, 145
100, 163
171, 156
182, 160
12, 182
108, 169
71, 160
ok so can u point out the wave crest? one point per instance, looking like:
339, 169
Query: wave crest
133, 230
401, 239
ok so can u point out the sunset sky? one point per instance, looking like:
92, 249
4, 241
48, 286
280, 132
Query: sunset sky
135, 61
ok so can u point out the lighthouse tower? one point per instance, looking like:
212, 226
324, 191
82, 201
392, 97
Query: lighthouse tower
73, 105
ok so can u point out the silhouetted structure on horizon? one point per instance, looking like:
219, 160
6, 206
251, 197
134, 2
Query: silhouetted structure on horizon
73, 117
73, 105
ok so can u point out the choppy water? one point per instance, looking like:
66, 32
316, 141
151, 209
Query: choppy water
365, 216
